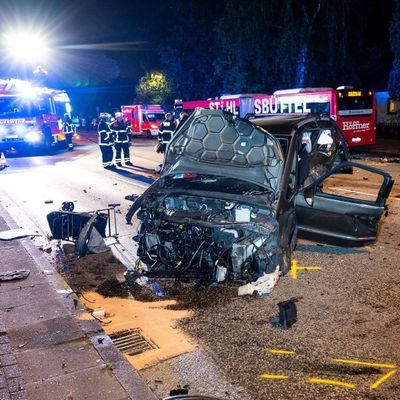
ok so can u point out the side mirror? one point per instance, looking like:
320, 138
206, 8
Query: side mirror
309, 195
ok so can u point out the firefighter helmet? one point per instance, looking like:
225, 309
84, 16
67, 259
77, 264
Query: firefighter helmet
104, 116
118, 115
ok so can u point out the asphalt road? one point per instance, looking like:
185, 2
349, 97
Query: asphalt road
345, 344
34, 186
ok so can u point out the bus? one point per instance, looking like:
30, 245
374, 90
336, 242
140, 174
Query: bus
353, 109
24, 110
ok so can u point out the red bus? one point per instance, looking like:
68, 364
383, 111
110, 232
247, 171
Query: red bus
353, 109
239, 104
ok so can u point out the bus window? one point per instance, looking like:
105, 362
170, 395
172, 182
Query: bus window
357, 105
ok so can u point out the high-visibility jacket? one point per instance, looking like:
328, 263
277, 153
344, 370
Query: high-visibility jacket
68, 126
165, 131
122, 131
105, 134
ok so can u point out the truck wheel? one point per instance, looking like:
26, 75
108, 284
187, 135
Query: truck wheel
148, 134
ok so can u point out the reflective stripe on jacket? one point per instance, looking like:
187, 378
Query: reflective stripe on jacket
122, 131
165, 131
105, 134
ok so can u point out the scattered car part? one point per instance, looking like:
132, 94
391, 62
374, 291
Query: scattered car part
263, 285
86, 229
287, 314
67, 206
89, 239
14, 275
18, 233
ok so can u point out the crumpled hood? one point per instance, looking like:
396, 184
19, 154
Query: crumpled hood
213, 141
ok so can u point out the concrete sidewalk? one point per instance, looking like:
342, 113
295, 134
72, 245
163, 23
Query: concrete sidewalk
46, 351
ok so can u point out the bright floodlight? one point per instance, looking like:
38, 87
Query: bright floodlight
26, 46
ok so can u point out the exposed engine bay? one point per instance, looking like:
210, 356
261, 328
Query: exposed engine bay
183, 236
212, 214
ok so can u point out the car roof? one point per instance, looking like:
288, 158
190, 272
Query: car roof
286, 124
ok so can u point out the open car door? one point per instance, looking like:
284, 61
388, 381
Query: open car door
330, 210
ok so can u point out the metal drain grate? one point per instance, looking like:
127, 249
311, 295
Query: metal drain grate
132, 342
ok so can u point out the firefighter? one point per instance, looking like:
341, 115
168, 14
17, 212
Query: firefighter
122, 135
183, 116
122, 132
106, 141
165, 132
47, 135
69, 130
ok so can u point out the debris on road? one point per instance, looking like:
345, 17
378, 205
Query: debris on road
287, 314
99, 313
48, 202
86, 229
261, 286
18, 233
14, 275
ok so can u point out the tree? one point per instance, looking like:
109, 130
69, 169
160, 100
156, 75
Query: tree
153, 88
394, 79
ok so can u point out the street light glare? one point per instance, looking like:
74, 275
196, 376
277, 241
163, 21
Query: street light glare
26, 46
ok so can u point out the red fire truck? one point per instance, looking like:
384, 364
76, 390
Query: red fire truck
144, 119
24, 108
353, 109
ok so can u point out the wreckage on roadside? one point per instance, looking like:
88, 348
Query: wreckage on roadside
232, 198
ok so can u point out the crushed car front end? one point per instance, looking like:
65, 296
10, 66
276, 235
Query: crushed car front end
213, 214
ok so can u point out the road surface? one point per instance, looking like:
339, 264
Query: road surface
34, 186
345, 341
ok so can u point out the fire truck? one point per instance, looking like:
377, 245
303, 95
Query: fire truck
354, 109
144, 119
24, 109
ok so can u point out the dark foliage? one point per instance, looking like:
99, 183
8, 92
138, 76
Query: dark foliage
240, 46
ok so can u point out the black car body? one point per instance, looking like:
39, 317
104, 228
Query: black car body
326, 217
224, 205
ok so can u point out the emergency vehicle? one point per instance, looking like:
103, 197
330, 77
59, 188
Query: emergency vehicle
24, 108
144, 119
353, 109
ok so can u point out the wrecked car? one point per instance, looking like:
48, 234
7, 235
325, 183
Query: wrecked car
318, 151
225, 204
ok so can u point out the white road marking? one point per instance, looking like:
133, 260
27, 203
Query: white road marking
356, 192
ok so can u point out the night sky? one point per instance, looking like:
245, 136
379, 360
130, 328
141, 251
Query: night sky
206, 48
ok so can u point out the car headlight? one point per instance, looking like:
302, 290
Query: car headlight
20, 129
32, 137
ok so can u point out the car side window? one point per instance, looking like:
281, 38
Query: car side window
319, 148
